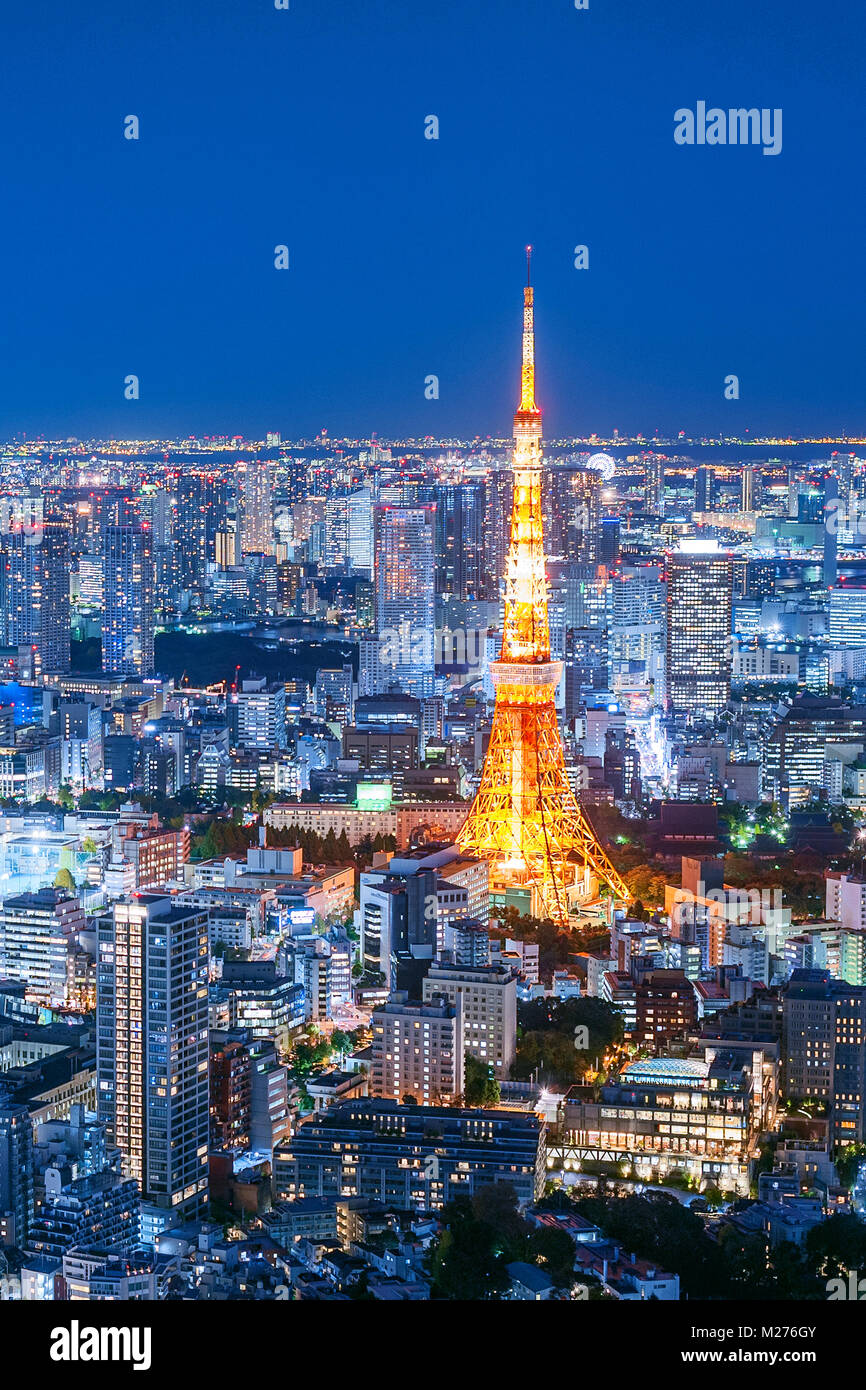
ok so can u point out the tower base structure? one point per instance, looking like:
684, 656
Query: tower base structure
525, 819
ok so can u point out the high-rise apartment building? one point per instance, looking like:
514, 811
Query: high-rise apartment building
34, 580
256, 486
654, 485
460, 511
488, 994
200, 516
405, 595
55, 559
824, 1049
418, 1050
127, 614
572, 514
152, 1047
699, 611
16, 1174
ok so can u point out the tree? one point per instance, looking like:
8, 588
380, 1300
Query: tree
88, 845
408, 1099
553, 1249
497, 1206
63, 879
848, 1162
480, 1087
467, 1262
837, 1246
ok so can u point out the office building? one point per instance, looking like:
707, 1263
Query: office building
847, 617
37, 932
257, 715
252, 995
748, 488
334, 694
699, 613
798, 744
699, 1115
704, 479
359, 533
323, 965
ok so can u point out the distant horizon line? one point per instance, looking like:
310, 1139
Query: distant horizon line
216, 442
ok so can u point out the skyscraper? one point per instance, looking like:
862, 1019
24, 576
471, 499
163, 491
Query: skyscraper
525, 820
573, 514
460, 511
654, 485
54, 637
500, 484
16, 1174
256, 484
127, 614
152, 1047
34, 612
703, 490
699, 607
360, 533
405, 595
201, 513
747, 488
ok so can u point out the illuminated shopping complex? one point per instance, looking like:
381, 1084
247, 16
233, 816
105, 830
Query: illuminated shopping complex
700, 1117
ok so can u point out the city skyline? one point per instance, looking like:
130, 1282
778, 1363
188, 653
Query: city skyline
432, 862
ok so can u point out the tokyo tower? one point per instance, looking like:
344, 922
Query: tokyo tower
525, 819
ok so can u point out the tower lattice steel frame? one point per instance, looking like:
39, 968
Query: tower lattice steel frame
525, 819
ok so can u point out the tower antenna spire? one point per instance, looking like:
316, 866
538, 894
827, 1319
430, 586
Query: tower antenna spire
529, 265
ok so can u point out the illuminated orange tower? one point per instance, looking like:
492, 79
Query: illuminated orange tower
525, 819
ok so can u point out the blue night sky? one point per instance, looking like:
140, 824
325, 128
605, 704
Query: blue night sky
306, 127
